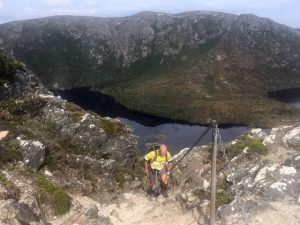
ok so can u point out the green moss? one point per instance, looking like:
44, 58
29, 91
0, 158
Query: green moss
224, 195
8, 66
223, 198
201, 194
223, 184
112, 128
244, 141
235, 149
258, 147
51, 194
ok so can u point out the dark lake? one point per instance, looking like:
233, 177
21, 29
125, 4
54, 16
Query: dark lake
176, 134
291, 96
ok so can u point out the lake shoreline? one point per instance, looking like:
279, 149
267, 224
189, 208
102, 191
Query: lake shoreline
177, 134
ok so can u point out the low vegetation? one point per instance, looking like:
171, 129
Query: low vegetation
69, 146
223, 193
201, 194
177, 80
9, 152
245, 141
112, 128
119, 175
53, 195
32, 106
258, 147
75, 112
8, 66
11, 188
71, 107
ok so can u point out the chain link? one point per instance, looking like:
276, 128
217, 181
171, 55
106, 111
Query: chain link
243, 216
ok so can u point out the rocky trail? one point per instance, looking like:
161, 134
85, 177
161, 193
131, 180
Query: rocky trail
138, 209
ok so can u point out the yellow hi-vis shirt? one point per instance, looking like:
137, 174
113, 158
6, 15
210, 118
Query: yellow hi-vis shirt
160, 161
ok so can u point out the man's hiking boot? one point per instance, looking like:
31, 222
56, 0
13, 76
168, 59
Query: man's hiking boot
164, 192
156, 188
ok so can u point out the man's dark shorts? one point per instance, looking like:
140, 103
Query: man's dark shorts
155, 173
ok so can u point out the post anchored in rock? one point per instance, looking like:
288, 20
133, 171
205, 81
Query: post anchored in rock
213, 173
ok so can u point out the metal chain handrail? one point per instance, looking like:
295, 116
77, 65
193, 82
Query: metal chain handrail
235, 188
191, 148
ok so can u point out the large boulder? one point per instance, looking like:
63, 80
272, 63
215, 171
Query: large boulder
13, 213
292, 137
33, 152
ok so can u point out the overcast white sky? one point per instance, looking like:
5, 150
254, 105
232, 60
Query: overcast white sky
283, 11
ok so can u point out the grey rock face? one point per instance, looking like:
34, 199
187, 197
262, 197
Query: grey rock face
131, 38
92, 212
24, 82
34, 153
98, 221
50, 133
292, 138
88, 132
92, 217
16, 214
258, 183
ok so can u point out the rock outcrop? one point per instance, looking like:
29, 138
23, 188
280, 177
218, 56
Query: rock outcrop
52, 151
254, 187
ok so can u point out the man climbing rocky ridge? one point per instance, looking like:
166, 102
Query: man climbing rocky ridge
62, 165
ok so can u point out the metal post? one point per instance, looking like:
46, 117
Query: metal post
213, 175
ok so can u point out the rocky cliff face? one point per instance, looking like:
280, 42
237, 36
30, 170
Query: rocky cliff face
52, 150
128, 39
216, 60
259, 184
116, 43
